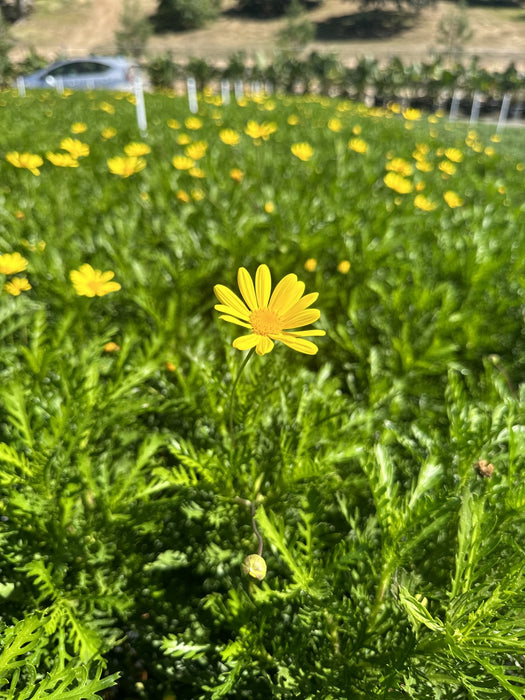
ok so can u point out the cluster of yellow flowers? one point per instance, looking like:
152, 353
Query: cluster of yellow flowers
11, 264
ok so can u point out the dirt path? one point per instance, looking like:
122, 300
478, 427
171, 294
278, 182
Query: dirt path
77, 27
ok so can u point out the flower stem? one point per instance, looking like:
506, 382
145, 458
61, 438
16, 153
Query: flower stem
257, 533
232, 395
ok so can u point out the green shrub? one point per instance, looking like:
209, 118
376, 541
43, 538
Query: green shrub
185, 14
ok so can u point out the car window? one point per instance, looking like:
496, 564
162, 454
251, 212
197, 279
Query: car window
93, 67
79, 68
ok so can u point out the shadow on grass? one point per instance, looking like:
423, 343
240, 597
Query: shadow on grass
368, 24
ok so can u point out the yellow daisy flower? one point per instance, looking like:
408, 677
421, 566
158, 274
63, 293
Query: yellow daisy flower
111, 347
454, 154
412, 114
17, 285
182, 162
108, 133
254, 566
293, 120
183, 139
89, 282
269, 207
399, 165
269, 315
236, 174
173, 124
125, 166
335, 125
193, 123
344, 267
196, 150
229, 136
310, 265
421, 202
29, 161
260, 131
447, 167
358, 145
182, 196
137, 149
75, 147
78, 128
303, 151
197, 172
452, 199
10, 263
357, 129
107, 107
397, 183
62, 160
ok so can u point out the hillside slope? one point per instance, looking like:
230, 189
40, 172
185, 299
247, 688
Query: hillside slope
77, 27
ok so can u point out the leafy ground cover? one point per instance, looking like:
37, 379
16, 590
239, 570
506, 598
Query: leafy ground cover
139, 468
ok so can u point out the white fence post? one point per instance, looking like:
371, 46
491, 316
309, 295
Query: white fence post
239, 91
476, 103
192, 95
454, 106
138, 89
225, 92
504, 111
20, 84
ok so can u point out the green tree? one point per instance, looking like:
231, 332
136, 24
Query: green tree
454, 29
267, 8
186, 14
135, 30
298, 30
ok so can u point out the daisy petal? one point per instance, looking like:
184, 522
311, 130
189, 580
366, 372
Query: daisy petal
246, 342
264, 345
302, 304
106, 276
229, 298
304, 334
303, 318
231, 311
299, 344
232, 319
286, 294
263, 285
247, 289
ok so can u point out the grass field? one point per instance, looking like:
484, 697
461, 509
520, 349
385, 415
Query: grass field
143, 458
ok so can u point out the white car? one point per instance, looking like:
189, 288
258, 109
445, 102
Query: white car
93, 73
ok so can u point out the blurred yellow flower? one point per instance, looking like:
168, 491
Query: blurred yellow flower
303, 151
421, 202
452, 199
183, 196
399, 165
447, 167
454, 154
197, 172
293, 120
106, 107
111, 347
193, 123
196, 150
260, 131
229, 136
412, 114
137, 149
254, 566
125, 166
489, 151
108, 133
310, 265
344, 267
197, 195
10, 263
424, 166
397, 183
269, 316
182, 162
269, 207
173, 124
495, 138
236, 174
75, 147
358, 145
29, 161
183, 139
62, 160
357, 129
17, 285
335, 125
78, 128
89, 282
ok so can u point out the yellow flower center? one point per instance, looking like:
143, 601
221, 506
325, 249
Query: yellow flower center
265, 322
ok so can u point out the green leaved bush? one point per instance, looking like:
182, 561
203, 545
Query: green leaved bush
382, 474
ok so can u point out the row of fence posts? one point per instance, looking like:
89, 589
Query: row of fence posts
257, 88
